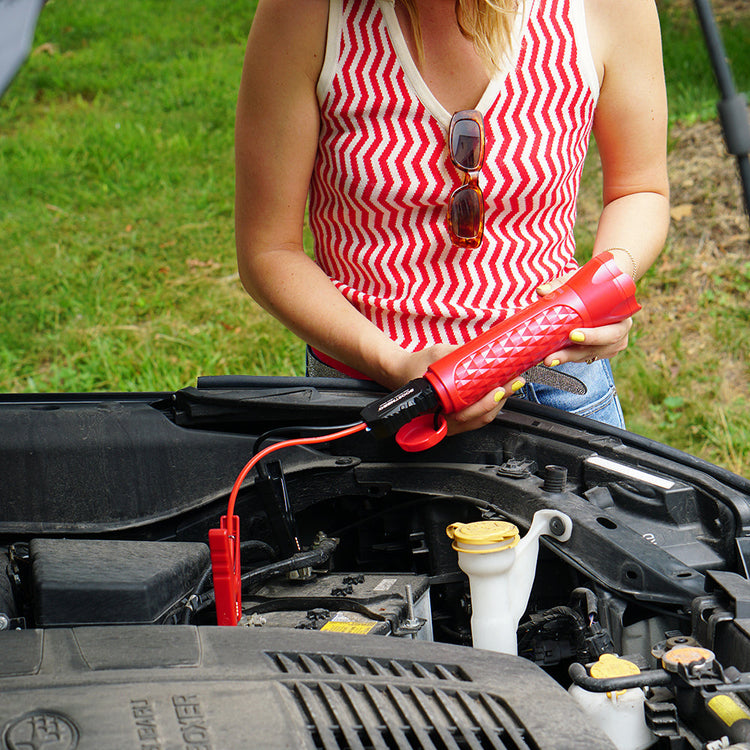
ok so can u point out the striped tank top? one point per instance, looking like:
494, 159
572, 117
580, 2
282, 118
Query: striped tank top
383, 175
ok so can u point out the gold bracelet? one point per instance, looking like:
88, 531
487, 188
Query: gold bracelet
632, 259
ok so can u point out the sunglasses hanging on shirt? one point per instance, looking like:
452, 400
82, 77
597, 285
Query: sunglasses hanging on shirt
466, 203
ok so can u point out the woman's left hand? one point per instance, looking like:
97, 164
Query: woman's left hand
588, 344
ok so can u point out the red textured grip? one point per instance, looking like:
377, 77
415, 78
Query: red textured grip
598, 294
510, 353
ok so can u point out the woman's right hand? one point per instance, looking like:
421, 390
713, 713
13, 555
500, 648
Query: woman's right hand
478, 414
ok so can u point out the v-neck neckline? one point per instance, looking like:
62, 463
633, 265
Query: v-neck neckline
423, 91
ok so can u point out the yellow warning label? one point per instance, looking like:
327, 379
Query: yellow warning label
728, 709
358, 628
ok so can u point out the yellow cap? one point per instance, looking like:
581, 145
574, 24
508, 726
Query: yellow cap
610, 665
685, 656
501, 534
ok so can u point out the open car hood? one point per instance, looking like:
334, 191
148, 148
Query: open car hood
106, 609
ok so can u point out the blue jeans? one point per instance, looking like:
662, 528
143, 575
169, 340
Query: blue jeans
600, 402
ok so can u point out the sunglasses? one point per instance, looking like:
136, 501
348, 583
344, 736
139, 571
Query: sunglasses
466, 203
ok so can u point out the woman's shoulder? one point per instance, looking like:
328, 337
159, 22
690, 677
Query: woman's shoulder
614, 17
296, 27
616, 8
294, 9
615, 25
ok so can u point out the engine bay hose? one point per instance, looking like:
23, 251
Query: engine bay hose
650, 678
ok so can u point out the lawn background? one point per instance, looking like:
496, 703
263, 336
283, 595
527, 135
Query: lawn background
117, 256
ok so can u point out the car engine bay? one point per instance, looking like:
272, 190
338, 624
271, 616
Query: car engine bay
356, 628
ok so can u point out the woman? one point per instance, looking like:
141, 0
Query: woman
351, 101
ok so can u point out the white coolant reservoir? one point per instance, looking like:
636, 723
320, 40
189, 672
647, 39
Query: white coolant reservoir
501, 567
619, 713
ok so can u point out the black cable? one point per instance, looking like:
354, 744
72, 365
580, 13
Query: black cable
538, 622
306, 603
316, 556
194, 597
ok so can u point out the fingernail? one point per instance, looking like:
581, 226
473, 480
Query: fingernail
554, 363
499, 396
517, 385
544, 288
578, 337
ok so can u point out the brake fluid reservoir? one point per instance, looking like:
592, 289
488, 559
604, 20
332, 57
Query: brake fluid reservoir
619, 713
501, 567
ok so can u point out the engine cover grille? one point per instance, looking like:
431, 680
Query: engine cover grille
340, 716
365, 666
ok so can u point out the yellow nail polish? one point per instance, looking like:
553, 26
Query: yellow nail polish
554, 363
517, 386
544, 289
578, 337
499, 396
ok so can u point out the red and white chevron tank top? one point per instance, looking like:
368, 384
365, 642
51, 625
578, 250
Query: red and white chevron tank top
383, 174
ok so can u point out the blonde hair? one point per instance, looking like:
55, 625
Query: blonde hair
488, 24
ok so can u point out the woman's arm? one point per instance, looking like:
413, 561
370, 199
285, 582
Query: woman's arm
630, 127
276, 138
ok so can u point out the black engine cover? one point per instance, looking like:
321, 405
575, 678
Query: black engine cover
234, 689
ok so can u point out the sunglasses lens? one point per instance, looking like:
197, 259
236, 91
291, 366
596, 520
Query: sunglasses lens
466, 215
466, 145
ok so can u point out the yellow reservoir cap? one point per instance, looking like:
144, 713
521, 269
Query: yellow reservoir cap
493, 535
611, 665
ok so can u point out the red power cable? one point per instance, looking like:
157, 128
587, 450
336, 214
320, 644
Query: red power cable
224, 542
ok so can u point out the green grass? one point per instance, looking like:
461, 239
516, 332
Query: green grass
687, 375
691, 86
116, 191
